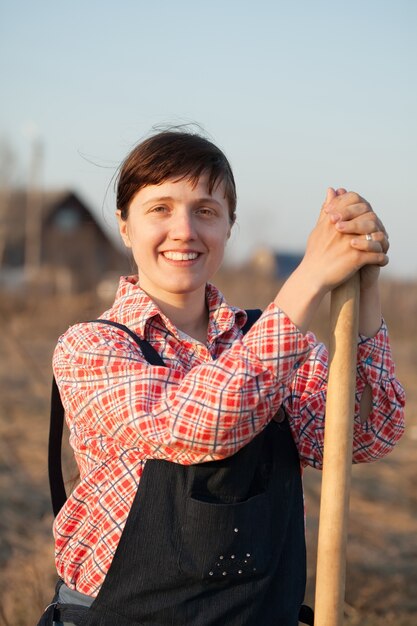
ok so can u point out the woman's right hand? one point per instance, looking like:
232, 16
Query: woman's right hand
336, 249
332, 255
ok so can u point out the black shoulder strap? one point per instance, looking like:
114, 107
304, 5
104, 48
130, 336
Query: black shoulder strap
148, 351
56, 425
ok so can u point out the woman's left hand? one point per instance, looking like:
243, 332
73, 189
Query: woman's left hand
354, 216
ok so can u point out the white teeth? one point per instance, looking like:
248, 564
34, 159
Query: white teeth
181, 256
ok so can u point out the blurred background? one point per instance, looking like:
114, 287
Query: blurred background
301, 96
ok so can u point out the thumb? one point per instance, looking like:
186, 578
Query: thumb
330, 195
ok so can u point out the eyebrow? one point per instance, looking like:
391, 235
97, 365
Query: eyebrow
168, 198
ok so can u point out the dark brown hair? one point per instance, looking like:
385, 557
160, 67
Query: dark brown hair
176, 155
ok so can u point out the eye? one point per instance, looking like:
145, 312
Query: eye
158, 209
205, 211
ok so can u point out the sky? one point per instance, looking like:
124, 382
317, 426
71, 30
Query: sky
300, 95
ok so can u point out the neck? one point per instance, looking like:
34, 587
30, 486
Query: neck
188, 312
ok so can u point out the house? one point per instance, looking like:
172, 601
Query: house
277, 265
54, 237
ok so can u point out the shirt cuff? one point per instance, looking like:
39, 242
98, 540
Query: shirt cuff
374, 357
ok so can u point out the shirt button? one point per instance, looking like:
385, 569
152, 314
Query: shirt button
369, 360
296, 365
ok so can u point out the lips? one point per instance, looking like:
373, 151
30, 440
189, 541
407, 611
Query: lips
180, 256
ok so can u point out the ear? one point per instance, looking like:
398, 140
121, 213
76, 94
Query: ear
123, 229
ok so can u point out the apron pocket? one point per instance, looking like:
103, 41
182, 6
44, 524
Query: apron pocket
226, 541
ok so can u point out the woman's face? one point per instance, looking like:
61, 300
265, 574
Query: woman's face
178, 234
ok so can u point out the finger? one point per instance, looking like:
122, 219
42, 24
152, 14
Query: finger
361, 243
350, 211
330, 194
362, 225
342, 200
370, 257
377, 258
340, 191
380, 238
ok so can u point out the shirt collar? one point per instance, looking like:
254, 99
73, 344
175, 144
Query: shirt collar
134, 308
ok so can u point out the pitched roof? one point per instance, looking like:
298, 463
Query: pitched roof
14, 204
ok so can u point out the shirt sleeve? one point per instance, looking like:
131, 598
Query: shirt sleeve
117, 403
306, 401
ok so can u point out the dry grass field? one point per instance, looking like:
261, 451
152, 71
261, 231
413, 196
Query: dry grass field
382, 550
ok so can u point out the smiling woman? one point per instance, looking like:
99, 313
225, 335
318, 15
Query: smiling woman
190, 418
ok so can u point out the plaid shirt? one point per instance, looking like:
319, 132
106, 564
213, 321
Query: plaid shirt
209, 401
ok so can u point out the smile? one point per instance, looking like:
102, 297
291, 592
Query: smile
180, 256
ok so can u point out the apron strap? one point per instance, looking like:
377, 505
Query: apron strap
148, 351
56, 427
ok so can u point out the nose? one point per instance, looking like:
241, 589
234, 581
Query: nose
183, 226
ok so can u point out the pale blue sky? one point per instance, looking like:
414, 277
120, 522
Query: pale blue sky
300, 95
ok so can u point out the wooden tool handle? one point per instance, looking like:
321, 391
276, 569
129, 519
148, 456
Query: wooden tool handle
337, 461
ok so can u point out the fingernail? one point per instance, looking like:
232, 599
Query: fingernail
335, 217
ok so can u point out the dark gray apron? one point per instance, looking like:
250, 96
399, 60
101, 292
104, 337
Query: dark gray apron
211, 544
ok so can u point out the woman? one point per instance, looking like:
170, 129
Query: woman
189, 509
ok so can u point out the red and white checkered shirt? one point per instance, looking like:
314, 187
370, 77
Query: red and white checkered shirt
209, 401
